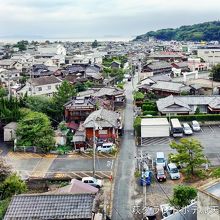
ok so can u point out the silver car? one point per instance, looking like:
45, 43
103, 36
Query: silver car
195, 126
187, 129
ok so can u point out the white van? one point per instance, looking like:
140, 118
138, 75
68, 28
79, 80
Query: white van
106, 147
160, 159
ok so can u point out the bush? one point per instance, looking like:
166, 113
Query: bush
137, 126
153, 113
200, 117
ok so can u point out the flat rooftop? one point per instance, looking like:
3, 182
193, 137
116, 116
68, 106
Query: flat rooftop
214, 190
154, 121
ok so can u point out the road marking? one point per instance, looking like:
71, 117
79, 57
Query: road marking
211, 128
202, 130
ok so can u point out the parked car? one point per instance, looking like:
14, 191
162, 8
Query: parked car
160, 173
92, 181
106, 147
160, 159
187, 129
167, 210
173, 171
145, 179
196, 126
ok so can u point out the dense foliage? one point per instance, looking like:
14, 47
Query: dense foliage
215, 73
207, 31
189, 154
10, 184
34, 129
182, 196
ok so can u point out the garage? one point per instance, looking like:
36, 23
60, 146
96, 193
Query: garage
154, 127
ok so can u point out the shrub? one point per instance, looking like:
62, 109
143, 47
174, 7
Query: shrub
137, 126
154, 113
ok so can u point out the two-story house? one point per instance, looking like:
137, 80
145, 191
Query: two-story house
46, 85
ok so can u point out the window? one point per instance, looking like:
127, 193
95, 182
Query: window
29, 89
103, 131
39, 88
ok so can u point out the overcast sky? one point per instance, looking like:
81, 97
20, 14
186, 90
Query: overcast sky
100, 18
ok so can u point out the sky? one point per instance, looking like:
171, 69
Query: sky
99, 18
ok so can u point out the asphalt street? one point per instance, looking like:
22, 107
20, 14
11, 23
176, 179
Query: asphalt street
122, 205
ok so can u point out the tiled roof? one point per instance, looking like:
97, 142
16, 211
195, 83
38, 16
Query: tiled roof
159, 65
102, 118
50, 206
44, 80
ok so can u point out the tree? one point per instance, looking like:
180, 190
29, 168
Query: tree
94, 44
3, 92
189, 153
138, 96
34, 129
63, 94
215, 72
5, 170
197, 112
182, 196
12, 185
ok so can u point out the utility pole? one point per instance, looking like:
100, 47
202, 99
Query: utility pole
9, 86
94, 148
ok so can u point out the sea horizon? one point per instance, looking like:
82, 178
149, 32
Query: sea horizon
12, 39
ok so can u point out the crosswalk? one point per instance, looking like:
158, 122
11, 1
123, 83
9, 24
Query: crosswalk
89, 156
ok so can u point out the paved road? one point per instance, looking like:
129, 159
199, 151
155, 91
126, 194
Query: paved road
122, 207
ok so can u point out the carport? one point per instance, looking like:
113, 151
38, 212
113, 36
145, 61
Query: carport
154, 128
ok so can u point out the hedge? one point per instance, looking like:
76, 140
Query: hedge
150, 113
200, 117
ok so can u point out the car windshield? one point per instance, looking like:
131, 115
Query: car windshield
160, 160
174, 170
160, 172
187, 128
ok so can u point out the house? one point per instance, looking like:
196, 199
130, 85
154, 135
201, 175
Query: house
183, 66
10, 75
166, 88
208, 201
210, 54
155, 68
51, 206
10, 64
79, 108
115, 64
104, 123
10, 131
174, 105
106, 97
46, 85
167, 56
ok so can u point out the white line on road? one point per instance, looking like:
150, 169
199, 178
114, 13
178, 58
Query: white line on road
211, 128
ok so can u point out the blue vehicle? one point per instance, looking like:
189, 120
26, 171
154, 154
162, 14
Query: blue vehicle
145, 179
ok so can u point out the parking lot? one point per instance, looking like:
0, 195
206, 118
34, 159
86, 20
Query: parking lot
209, 136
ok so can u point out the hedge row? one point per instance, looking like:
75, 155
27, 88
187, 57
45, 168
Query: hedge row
200, 117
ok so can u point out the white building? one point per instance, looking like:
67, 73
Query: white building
46, 85
52, 49
210, 55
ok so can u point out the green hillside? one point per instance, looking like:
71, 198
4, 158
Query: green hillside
207, 31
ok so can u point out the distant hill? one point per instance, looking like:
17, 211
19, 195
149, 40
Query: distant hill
208, 31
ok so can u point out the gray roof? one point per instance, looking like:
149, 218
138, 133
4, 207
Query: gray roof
80, 101
179, 103
110, 91
159, 65
170, 86
45, 80
50, 206
102, 118
171, 103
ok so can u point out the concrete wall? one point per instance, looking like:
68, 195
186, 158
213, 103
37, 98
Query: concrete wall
208, 207
187, 213
9, 134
